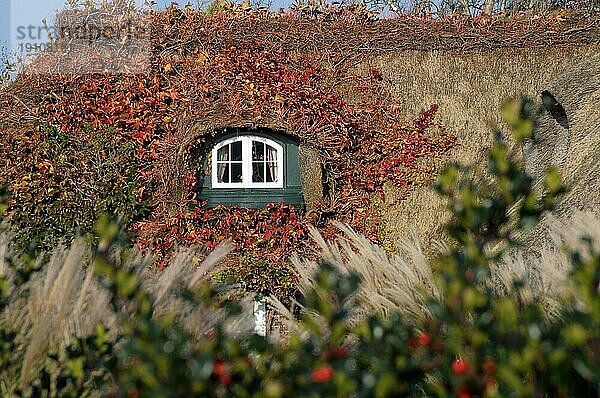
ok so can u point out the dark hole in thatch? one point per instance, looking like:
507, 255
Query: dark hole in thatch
555, 108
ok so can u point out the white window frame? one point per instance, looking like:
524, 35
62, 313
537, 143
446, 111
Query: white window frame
247, 163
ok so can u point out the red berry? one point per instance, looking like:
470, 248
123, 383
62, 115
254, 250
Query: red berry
460, 367
219, 368
339, 353
462, 392
225, 379
322, 374
489, 366
424, 339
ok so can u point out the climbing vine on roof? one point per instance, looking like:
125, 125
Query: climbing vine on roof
129, 143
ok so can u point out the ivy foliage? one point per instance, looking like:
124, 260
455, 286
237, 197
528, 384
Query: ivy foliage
472, 344
128, 143
70, 183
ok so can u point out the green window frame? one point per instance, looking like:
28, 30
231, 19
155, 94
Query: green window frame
248, 191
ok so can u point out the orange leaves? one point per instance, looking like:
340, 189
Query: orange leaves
44, 166
279, 99
171, 93
205, 88
202, 57
270, 233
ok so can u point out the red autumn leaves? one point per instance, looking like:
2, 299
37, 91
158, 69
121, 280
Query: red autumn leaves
276, 229
400, 156
257, 82
253, 80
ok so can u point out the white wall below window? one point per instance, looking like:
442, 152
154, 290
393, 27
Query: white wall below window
260, 317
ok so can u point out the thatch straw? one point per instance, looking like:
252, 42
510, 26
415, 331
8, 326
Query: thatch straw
470, 89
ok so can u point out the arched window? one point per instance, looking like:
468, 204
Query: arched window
247, 162
251, 168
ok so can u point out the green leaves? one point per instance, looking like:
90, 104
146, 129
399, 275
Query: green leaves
71, 182
520, 117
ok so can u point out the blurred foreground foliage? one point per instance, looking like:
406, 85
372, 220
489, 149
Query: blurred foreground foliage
475, 343
74, 180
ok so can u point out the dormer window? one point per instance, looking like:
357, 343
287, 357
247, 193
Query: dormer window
247, 162
252, 168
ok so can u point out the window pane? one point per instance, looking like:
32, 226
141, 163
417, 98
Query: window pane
223, 153
236, 172
271, 171
271, 154
222, 172
236, 151
258, 172
258, 150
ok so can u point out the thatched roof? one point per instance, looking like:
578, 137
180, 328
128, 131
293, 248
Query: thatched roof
579, 91
333, 81
568, 137
567, 133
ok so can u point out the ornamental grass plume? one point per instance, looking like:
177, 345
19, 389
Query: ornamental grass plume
390, 282
403, 283
58, 303
543, 272
64, 300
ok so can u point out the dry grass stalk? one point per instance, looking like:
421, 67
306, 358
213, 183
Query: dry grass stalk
186, 271
393, 283
544, 270
390, 283
65, 300
56, 297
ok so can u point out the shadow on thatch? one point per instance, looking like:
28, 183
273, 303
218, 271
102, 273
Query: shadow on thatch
555, 108
568, 137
